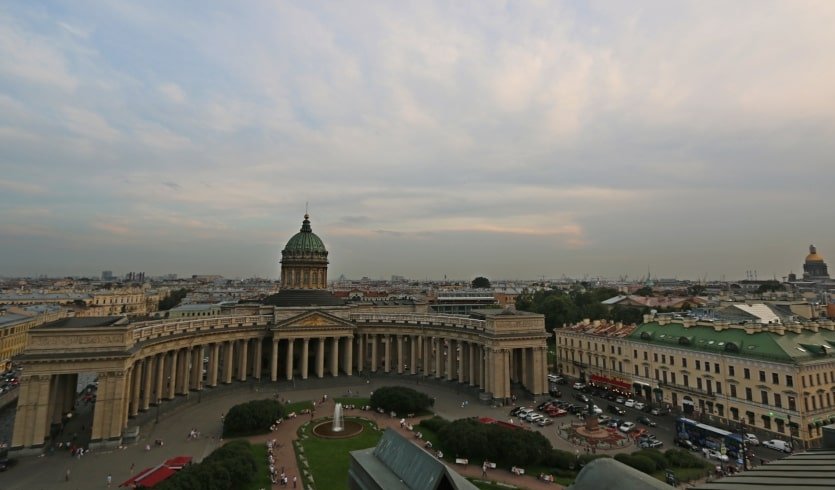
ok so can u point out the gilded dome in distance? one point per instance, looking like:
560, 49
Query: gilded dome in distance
813, 255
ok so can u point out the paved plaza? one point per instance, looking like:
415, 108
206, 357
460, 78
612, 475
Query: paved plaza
91, 470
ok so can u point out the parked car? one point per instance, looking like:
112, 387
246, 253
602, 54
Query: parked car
534, 417
615, 409
553, 377
647, 421
620, 400
640, 405
627, 426
602, 419
583, 398
650, 443
614, 423
752, 440
544, 421
596, 410
686, 444
778, 445
523, 412
555, 393
655, 411
556, 412
515, 411
629, 403
714, 454
578, 385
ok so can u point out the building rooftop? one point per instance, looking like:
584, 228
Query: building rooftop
84, 322
806, 470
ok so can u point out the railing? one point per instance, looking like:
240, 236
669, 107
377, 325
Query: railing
164, 328
421, 320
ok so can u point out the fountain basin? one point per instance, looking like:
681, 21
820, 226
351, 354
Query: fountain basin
325, 429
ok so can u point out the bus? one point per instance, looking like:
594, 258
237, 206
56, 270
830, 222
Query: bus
710, 437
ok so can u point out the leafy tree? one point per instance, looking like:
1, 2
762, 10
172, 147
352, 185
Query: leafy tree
400, 399
481, 282
173, 299
229, 467
254, 417
472, 439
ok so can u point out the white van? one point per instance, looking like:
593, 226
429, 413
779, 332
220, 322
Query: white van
778, 445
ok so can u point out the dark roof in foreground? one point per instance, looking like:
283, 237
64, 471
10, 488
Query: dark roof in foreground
303, 297
610, 474
398, 464
811, 469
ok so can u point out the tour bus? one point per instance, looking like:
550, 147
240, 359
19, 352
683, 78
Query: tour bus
710, 437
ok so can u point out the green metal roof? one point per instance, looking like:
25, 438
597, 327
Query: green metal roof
305, 241
790, 347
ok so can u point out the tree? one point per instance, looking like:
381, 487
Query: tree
481, 282
400, 399
254, 417
172, 300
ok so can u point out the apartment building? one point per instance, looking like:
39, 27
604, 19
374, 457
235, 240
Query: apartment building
776, 378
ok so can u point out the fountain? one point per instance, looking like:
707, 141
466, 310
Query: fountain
338, 428
338, 424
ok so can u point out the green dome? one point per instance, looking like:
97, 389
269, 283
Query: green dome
305, 241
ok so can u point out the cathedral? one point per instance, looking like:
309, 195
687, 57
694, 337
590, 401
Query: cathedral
302, 332
814, 268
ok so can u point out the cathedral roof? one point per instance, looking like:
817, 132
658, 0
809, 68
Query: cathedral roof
305, 241
813, 255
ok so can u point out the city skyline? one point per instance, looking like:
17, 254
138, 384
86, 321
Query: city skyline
506, 140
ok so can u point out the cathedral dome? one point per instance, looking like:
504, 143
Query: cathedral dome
305, 241
813, 255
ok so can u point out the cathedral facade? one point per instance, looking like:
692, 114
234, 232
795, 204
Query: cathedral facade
299, 333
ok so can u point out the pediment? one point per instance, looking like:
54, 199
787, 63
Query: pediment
314, 319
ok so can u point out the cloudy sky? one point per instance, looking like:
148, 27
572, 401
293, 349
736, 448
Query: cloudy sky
510, 139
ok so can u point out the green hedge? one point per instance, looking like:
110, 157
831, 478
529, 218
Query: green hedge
639, 462
506, 447
253, 417
435, 424
229, 467
401, 400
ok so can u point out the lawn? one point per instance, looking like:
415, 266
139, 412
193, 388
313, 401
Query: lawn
328, 459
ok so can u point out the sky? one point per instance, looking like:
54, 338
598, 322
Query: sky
511, 139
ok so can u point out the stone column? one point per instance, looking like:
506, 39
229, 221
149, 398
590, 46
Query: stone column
523, 353
146, 393
451, 356
304, 360
172, 381
374, 343
274, 362
182, 371
361, 353
320, 358
159, 392
214, 356
137, 387
426, 358
413, 354
228, 358
109, 415
30, 428
399, 354
196, 378
243, 361
387, 354
439, 355
463, 352
482, 362
256, 362
335, 356
349, 356
290, 343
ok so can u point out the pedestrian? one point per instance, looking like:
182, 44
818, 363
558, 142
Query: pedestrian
67, 475
294, 482
109, 480
484, 469
132, 465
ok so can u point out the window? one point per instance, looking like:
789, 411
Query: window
620, 366
792, 403
716, 368
762, 376
646, 356
709, 384
746, 373
619, 352
698, 364
672, 361
775, 378
684, 362
707, 366
686, 381
657, 377
767, 422
750, 417
655, 357
733, 390
613, 349
818, 377
778, 401
789, 381
764, 397
718, 388
635, 353
673, 378
734, 413
699, 383
646, 371
663, 359
748, 394
636, 370
731, 371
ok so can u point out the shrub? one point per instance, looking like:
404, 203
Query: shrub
558, 458
435, 424
472, 439
637, 461
253, 417
585, 459
230, 466
661, 462
679, 458
400, 399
